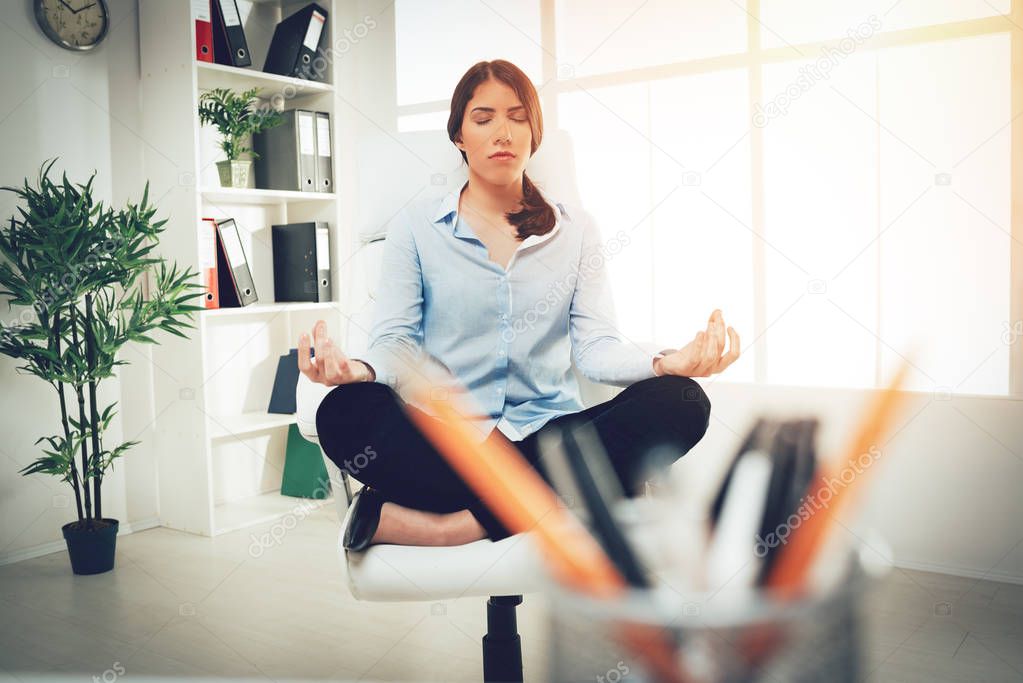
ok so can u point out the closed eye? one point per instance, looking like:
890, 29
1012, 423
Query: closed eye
486, 121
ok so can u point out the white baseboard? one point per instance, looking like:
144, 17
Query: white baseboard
1003, 577
61, 546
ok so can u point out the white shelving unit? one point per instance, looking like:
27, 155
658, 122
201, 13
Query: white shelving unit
221, 76
257, 197
220, 454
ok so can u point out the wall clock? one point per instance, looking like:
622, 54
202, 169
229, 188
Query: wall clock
73, 24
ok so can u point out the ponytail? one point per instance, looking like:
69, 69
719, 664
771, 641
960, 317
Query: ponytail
536, 217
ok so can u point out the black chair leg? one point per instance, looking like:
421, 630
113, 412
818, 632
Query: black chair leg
502, 647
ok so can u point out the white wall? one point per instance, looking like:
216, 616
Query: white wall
944, 492
85, 109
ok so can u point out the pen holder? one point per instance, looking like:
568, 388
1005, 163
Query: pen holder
717, 636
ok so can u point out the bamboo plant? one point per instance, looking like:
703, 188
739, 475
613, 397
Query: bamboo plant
77, 270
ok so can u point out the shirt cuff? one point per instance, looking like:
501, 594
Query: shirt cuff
379, 360
651, 351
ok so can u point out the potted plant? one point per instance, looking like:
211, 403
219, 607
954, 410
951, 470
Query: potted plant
78, 270
237, 117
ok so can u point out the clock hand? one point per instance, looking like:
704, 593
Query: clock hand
85, 8
68, 6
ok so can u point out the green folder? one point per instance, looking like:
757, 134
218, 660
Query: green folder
305, 473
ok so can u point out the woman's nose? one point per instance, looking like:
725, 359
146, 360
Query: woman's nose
504, 132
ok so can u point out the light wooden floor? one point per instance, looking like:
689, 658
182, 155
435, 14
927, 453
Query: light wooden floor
179, 605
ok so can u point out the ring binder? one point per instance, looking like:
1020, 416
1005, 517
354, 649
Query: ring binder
296, 43
233, 274
229, 45
203, 30
301, 257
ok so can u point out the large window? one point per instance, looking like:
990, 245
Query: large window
834, 175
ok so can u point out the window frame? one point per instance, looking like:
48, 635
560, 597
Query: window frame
754, 59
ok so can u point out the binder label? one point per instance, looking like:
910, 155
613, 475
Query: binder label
305, 133
207, 244
322, 135
230, 12
322, 249
201, 10
233, 245
312, 34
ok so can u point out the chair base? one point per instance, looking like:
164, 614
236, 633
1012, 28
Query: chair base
502, 647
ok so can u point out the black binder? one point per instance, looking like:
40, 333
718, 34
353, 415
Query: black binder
234, 278
229, 46
297, 42
301, 255
287, 153
282, 398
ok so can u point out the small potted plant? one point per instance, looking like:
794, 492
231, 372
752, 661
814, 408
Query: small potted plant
237, 117
76, 271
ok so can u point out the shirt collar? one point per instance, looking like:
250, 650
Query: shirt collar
448, 208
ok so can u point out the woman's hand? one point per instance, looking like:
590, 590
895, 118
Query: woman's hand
702, 356
331, 367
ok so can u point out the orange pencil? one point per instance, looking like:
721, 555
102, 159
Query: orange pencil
520, 498
796, 559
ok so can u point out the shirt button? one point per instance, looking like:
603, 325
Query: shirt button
501, 352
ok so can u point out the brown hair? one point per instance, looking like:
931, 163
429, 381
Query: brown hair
536, 217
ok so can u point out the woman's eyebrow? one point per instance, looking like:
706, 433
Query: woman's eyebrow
491, 110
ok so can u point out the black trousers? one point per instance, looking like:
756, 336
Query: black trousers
364, 429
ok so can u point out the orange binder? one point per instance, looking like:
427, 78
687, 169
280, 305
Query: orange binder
208, 261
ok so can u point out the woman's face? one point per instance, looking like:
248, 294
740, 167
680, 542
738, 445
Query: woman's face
496, 137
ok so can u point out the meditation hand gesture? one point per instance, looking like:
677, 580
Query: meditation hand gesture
702, 356
331, 366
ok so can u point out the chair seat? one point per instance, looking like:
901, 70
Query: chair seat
394, 573
399, 573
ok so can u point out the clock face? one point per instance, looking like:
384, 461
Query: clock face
73, 24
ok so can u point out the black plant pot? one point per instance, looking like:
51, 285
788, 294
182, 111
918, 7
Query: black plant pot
91, 550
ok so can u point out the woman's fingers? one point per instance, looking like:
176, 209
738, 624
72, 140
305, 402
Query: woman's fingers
719, 330
712, 349
319, 338
305, 364
326, 354
733, 351
699, 353
705, 351
331, 367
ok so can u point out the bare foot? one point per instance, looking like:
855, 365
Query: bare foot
407, 526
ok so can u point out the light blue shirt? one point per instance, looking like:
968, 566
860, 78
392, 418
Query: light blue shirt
508, 335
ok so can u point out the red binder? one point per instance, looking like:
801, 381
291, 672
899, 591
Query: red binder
208, 261
203, 30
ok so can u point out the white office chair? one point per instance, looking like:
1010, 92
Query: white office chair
503, 570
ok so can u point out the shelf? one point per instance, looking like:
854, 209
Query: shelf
227, 426
250, 195
238, 78
269, 309
267, 507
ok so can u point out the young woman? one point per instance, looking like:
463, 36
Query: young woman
504, 287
